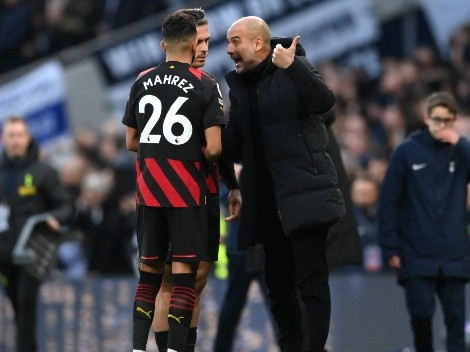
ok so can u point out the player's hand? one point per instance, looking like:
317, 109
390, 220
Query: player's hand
234, 205
283, 57
447, 135
395, 262
53, 224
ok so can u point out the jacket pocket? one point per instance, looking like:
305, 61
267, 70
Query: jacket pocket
307, 152
330, 167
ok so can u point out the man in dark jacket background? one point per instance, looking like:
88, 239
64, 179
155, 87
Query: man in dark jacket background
289, 184
27, 187
423, 222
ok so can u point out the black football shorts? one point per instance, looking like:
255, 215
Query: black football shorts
185, 229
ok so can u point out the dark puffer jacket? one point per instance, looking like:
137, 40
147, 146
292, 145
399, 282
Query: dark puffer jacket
28, 187
295, 140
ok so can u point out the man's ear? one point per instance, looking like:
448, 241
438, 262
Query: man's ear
426, 120
162, 45
258, 43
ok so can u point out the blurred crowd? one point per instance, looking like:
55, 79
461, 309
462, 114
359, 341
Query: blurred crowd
31, 29
98, 171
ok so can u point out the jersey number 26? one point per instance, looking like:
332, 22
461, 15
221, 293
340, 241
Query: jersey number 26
170, 119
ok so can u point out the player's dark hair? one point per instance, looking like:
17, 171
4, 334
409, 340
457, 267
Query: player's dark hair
198, 15
441, 99
178, 26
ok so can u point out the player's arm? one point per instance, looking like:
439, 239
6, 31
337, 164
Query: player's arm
213, 120
130, 121
132, 139
213, 143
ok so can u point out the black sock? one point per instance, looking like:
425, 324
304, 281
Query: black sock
161, 338
191, 340
181, 309
144, 306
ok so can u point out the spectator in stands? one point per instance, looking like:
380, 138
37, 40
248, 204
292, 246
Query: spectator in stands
78, 22
460, 63
19, 20
72, 173
365, 194
344, 233
71, 259
107, 228
118, 13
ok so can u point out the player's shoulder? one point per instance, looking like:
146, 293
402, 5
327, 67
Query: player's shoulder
208, 75
201, 74
144, 72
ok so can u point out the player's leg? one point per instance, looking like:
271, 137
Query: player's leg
182, 301
152, 248
160, 321
189, 247
205, 267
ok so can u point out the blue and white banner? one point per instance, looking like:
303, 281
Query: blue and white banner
40, 97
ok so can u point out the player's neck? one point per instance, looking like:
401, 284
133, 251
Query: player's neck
183, 58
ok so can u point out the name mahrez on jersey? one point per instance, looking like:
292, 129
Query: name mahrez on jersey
168, 79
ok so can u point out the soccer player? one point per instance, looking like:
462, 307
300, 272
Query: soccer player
174, 113
213, 213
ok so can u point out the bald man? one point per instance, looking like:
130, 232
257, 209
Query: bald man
289, 184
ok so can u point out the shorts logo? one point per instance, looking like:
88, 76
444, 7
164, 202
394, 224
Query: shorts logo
178, 319
144, 312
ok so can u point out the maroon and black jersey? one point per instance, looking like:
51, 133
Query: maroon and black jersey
212, 179
171, 105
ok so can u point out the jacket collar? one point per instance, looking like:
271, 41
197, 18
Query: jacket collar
31, 156
423, 136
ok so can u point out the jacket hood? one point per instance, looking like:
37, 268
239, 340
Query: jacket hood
287, 42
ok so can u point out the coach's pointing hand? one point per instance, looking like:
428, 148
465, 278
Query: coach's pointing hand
283, 57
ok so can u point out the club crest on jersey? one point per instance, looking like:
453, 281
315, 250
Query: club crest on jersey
173, 80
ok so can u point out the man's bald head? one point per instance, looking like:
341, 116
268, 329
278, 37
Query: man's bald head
248, 42
256, 27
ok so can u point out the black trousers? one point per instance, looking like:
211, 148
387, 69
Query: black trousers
239, 282
22, 289
296, 272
